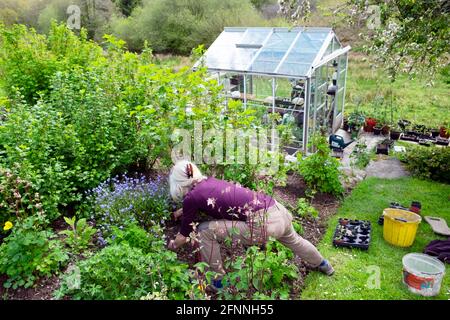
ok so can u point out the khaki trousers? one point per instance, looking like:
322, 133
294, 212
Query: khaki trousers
274, 222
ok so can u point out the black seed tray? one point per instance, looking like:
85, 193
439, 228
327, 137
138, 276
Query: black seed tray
352, 234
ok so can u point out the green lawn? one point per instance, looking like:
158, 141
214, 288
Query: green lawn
367, 202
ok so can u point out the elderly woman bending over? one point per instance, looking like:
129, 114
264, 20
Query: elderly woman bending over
253, 216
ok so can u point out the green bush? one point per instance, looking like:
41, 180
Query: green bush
320, 170
29, 60
97, 113
428, 162
178, 26
124, 272
29, 253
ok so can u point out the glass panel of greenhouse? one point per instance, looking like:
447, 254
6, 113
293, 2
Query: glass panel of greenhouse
299, 73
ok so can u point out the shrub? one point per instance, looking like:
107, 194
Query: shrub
178, 26
428, 162
124, 272
320, 170
29, 60
97, 113
29, 253
123, 201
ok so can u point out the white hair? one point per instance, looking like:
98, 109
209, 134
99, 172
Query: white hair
179, 180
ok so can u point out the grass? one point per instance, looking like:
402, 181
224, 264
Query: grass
367, 202
414, 100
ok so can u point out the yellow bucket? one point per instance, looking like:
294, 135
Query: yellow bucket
400, 227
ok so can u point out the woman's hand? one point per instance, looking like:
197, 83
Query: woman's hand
179, 241
177, 214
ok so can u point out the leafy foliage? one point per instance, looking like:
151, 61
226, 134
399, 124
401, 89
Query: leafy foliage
124, 272
178, 26
29, 253
17, 198
79, 236
413, 36
428, 162
260, 273
361, 155
304, 209
137, 237
95, 114
320, 170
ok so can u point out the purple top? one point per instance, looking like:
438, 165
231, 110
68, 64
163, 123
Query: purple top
221, 200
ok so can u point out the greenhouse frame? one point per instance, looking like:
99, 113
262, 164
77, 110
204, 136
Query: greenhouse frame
299, 73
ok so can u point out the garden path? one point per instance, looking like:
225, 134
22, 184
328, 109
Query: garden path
383, 167
388, 168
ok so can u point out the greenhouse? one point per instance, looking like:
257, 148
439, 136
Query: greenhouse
299, 73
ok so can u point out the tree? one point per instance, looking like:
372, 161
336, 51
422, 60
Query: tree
413, 36
126, 7
410, 36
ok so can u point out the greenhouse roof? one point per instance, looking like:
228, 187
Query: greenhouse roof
290, 52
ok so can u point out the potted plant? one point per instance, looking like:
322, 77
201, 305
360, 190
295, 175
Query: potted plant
444, 132
435, 133
395, 133
377, 129
404, 125
369, 124
345, 125
355, 121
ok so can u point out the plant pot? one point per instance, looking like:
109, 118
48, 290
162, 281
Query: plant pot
345, 125
385, 130
382, 149
369, 124
377, 131
443, 133
435, 133
394, 135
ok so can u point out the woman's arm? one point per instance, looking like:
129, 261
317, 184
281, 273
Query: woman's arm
179, 241
177, 214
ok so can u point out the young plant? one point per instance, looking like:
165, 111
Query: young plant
28, 254
320, 170
361, 155
260, 273
304, 209
79, 237
121, 272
